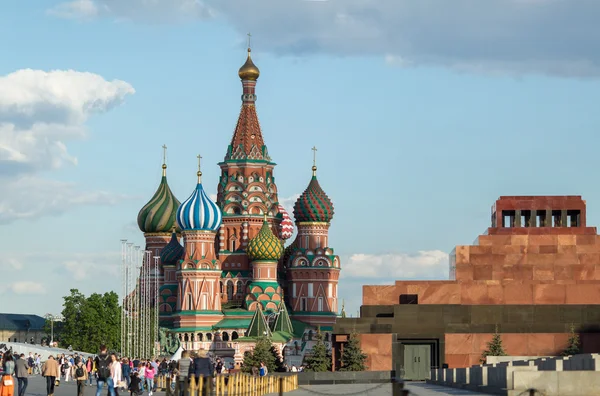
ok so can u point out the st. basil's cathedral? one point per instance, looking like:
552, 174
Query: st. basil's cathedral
225, 278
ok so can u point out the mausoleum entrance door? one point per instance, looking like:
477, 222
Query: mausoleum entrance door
417, 362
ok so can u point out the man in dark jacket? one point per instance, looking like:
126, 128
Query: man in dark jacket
22, 372
202, 366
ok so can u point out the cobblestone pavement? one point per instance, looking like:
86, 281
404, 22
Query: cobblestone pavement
37, 387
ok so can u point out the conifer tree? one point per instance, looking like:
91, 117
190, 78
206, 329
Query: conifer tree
320, 358
353, 358
260, 353
573, 347
277, 359
494, 347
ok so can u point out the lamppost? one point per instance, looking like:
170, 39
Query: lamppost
52, 319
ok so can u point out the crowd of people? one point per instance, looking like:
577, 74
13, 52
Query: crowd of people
118, 374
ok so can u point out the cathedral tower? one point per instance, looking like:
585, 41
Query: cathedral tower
157, 221
246, 191
167, 294
157, 218
199, 273
313, 269
264, 250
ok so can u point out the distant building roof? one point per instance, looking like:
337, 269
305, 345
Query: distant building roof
21, 322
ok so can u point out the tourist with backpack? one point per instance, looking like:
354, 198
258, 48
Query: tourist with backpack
103, 362
80, 374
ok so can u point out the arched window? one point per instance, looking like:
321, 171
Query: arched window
230, 290
310, 335
189, 302
208, 336
225, 336
234, 336
240, 288
200, 337
186, 337
326, 337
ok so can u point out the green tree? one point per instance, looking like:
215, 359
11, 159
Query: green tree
89, 322
277, 359
353, 358
573, 347
260, 353
320, 358
494, 347
72, 332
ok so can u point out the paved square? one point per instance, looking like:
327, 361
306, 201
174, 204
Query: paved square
37, 387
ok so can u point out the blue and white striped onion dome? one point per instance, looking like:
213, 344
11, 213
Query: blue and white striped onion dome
199, 212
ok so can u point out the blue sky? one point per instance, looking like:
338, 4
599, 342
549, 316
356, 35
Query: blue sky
423, 115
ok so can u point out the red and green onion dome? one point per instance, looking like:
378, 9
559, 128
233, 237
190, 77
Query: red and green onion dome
265, 246
172, 252
158, 215
313, 205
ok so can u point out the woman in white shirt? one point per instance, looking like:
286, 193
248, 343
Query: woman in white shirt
116, 373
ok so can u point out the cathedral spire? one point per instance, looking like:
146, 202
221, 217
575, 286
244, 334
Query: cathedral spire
247, 142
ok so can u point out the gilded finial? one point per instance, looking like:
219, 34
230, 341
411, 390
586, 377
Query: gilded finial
249, 71
314, 167
164, 165
265, 217
199, 167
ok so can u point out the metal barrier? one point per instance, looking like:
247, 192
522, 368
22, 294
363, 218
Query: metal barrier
237, 384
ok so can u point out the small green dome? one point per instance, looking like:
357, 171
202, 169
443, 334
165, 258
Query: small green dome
265, 246
158, 215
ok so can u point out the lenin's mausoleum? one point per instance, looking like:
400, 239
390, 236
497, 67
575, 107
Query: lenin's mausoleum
532, 275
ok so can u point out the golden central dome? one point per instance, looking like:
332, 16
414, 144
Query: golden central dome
249, 71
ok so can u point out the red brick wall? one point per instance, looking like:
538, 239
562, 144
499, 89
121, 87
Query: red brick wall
464, 350
378, 348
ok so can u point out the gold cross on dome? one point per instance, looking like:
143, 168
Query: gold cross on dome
164, 146
199, 161
249, 37
314, 149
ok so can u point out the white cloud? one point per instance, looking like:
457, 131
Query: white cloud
429, 264
154, 10
90, 272
78, 9
10, 264
27, 287
39, 113
87, 266
556, 37
30, 197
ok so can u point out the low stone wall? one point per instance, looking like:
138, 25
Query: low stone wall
577, 375
503, 359
345, 377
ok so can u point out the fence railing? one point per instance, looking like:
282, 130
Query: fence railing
236, 384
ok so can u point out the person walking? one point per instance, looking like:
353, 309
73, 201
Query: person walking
116, 373
50, 370
183, 367
89, 366
81, 375
7, 385
202, 366
149, 374
263, 371
22, 373
126, 371
103, 363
